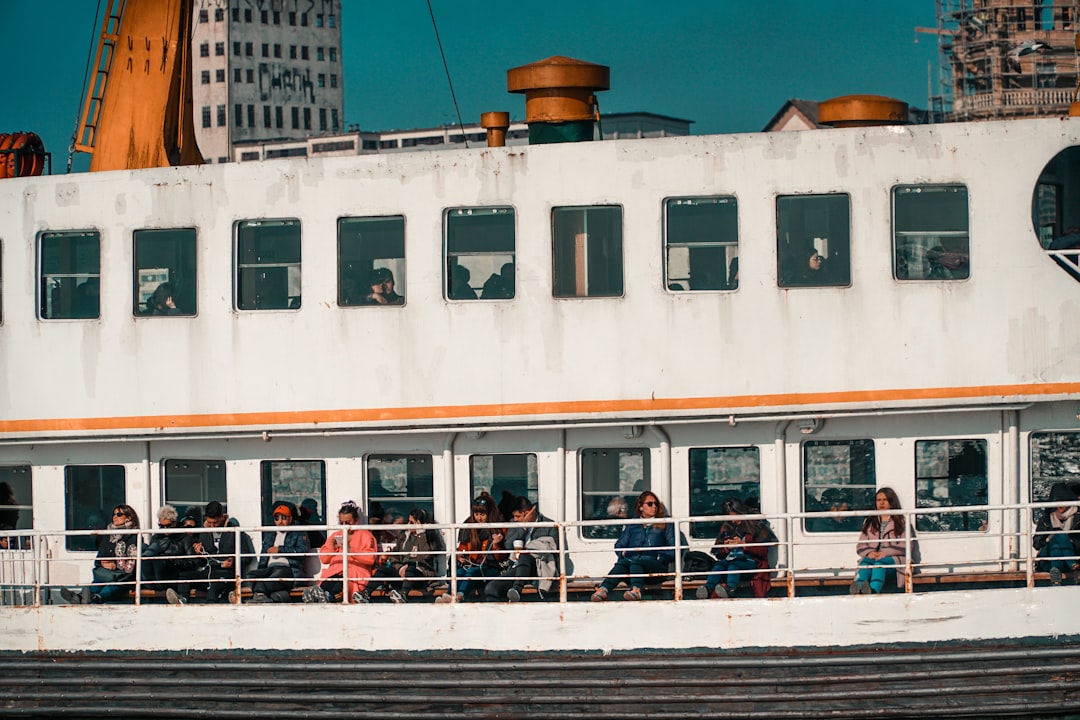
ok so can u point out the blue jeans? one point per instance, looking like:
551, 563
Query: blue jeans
1058, 546
467, 577
728, 566
634, 565
876, 572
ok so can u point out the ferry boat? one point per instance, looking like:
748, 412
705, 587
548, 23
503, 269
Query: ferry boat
636, 315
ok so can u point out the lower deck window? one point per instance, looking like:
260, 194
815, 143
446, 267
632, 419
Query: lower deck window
611, 480
300, 482
504, 477
191, 484
90, 494
839, 476
951, 473
720, 474
16, 504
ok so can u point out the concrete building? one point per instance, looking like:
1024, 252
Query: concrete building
362, 142
1005, 58
265, 72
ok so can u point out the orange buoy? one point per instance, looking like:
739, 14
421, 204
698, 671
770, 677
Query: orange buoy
22, 154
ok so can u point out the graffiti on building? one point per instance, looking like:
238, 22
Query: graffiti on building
285, 84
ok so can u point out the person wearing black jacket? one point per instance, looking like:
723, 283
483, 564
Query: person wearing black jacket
216, 563
163, 556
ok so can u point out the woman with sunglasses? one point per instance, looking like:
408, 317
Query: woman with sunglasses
741, 546
643, 549
114, 567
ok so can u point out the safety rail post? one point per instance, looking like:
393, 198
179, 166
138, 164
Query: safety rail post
560, 530
790, 547
908, 532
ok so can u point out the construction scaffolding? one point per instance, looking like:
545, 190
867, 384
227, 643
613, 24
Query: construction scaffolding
1002, 59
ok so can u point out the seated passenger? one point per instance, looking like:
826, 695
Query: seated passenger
616, 509
216, 556
414, 564
643, 549
881, 546
115, 563
382, 289
362, 550
500, 286
282, 559
533, 558
1057, 535
740, 545
477, 549
164, 557
161, 301
460, 289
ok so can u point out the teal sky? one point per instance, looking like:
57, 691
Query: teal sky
726, 65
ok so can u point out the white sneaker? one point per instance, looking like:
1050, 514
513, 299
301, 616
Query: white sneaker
444, 599
173, 598
313, 594
360, 598
232, 597
397, 597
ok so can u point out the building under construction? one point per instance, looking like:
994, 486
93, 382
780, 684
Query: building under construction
1006, 58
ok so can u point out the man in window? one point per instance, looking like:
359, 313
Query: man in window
382, 288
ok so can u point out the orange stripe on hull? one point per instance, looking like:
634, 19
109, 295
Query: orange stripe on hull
995, 393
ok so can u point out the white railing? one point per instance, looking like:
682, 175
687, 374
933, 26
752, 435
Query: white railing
25, 571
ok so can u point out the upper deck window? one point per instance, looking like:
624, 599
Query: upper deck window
587, 243
480, 247
497, 475
951, 473
268, 264
70, 275
399, 483
813, 240
371, 261
702, 243
838, 475
165, 281
718, 474
930, 232
1054, 210
611, 480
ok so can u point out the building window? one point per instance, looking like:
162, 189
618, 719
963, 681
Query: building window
219, 75
279, 121
266, 116
292, 52
277, 17
191, 484
221, 119
718, 474
321, 80
399, 483
204, 16
277, 50
266, 49
165, 270
318, 20
480, 252
219, 14
951, 473
333, 54
304, 52
20, 514
608, 474
292, 18
498, 474
238, 115
204, 50
320, 54
70, 275
838, 475
236, 14
264, 17
333, 80
303, 20
334, 119
307, 118
268, 265
251, 76
238, 76
206, 116
251, 116
236, 48
930, 232
90, 494
587, 245
813, 240
296, 118
331, 21
702, 243
219, 49
249, 49
205, 77
247, 15
322, 119
370, 249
